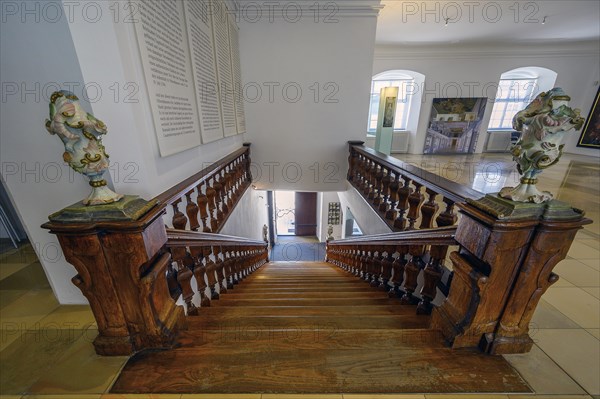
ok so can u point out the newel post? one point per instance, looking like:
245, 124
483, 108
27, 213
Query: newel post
117, 250
508, 251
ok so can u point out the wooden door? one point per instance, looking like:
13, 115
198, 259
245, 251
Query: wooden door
306, 214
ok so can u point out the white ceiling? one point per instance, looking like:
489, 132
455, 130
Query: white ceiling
483, 21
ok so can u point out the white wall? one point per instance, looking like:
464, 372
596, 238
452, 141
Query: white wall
323, 200
368, 220
467, 71
249, 216
309, 133
39, 57
104, 56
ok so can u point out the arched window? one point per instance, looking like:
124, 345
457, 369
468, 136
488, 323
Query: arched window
408, 83
516, 89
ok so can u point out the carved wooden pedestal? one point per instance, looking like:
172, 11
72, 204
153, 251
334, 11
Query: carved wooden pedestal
505, 265
121, 270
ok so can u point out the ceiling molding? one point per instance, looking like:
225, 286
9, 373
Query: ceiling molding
577, 49
328, 9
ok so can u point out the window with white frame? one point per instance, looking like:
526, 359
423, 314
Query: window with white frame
406, 88
513, 95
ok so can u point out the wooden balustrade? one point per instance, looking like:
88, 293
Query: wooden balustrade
216, 261
506, 251
404, 196
394, 261
131, 269
210, 195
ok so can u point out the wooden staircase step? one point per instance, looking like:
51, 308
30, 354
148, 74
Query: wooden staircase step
314, 288
223, 322
258, 340
372, 370
235, 293
226, 300
293, 311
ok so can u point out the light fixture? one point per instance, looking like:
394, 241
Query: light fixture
544, 21
447, 19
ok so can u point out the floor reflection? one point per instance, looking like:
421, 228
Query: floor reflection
575, 179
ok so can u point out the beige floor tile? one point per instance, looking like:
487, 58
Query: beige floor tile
549, 396
578, 273
466, 396
543, 374
593, 263
295, 396
562, 282
547, 316
25, 255
576, 304
593, 291
10, 396
383, 396
575, 351
70, 316
140, 396
222, 396
80, 370
581, 251
594, 331
594, 243
9, 296
29, 309
74, 396
28, 358
6, 269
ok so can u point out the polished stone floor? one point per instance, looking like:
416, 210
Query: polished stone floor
46, 348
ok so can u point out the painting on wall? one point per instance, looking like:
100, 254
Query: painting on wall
388, 115
454, 125
590, 136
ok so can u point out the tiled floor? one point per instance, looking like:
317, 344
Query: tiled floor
46, 349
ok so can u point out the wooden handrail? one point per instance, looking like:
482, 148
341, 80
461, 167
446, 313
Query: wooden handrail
437, 236
186, 238
179, 190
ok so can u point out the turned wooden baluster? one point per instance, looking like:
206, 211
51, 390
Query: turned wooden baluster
403, 193
220, 269
351, 165
415, 201
174, 287
411, 271
428, 210
210, 267
398, 266
362, 266
211, 194
200, 274
431, 276
223, 192
386, 268
179, 220
202, 201
373, 181
184, 276
229, 179
448, 217
366, 176
393, 190
229, 266
191, 209
376, 274
386, 181
377, 197
218, 199
360, 172
356, 263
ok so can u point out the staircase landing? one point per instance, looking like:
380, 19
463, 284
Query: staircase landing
309, 327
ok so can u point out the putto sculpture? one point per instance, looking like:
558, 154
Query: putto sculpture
543, 124
81, 133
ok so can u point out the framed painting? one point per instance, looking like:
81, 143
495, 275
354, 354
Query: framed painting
454, 125
590, 135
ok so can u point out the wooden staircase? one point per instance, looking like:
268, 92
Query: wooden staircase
311, 327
